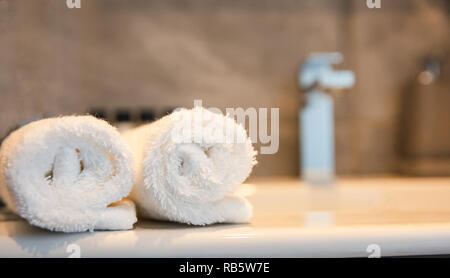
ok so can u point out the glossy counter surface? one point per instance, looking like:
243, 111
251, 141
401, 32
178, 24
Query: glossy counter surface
355, 218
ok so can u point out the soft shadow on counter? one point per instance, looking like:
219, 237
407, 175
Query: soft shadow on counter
37, 242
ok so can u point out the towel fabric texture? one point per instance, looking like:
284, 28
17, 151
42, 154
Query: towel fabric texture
188, 164
68, 174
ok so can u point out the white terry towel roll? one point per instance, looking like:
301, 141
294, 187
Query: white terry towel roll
187, 173
68, 174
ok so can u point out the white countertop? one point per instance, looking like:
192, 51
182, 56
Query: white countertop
355, 218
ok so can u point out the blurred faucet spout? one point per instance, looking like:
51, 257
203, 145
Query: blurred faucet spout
318, 72
318, 78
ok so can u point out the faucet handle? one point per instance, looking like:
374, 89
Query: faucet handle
318, 70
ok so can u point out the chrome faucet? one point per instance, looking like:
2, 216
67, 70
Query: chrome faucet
318, 71
318, 79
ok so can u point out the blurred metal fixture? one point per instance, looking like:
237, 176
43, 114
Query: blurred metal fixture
318, 79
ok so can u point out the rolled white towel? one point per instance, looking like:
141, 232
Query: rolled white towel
187, 173
68, 174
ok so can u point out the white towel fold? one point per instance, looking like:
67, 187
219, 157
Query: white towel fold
187, 172
68, 174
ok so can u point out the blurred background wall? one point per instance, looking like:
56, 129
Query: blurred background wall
159, 54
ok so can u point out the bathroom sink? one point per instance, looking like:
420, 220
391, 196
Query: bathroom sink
355, 218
